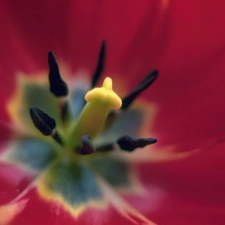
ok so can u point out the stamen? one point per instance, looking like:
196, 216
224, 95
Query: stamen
129, 144
87, 146
57, 86
100, 65
148, 80
42, 121
106, 148
56, 137
65, 110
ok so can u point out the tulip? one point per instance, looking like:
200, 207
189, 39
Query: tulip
83, 107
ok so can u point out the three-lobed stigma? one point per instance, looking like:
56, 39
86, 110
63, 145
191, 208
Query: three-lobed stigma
105, 95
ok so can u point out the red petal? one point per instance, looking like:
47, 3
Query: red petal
13, 181
190, 88
46, 213
73, 29
188, 191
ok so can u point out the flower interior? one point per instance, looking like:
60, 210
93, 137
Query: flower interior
73, 139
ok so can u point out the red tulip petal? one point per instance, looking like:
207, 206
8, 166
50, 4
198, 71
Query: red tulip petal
187, 47
39, 27
187, 191
190, 87
8, 212
13, 181
30, 205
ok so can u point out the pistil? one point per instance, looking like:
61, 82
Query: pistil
91, 120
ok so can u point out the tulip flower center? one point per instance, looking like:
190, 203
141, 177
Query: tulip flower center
73, 140
95, 117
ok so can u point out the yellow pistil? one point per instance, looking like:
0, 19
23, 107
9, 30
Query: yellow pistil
92, 118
